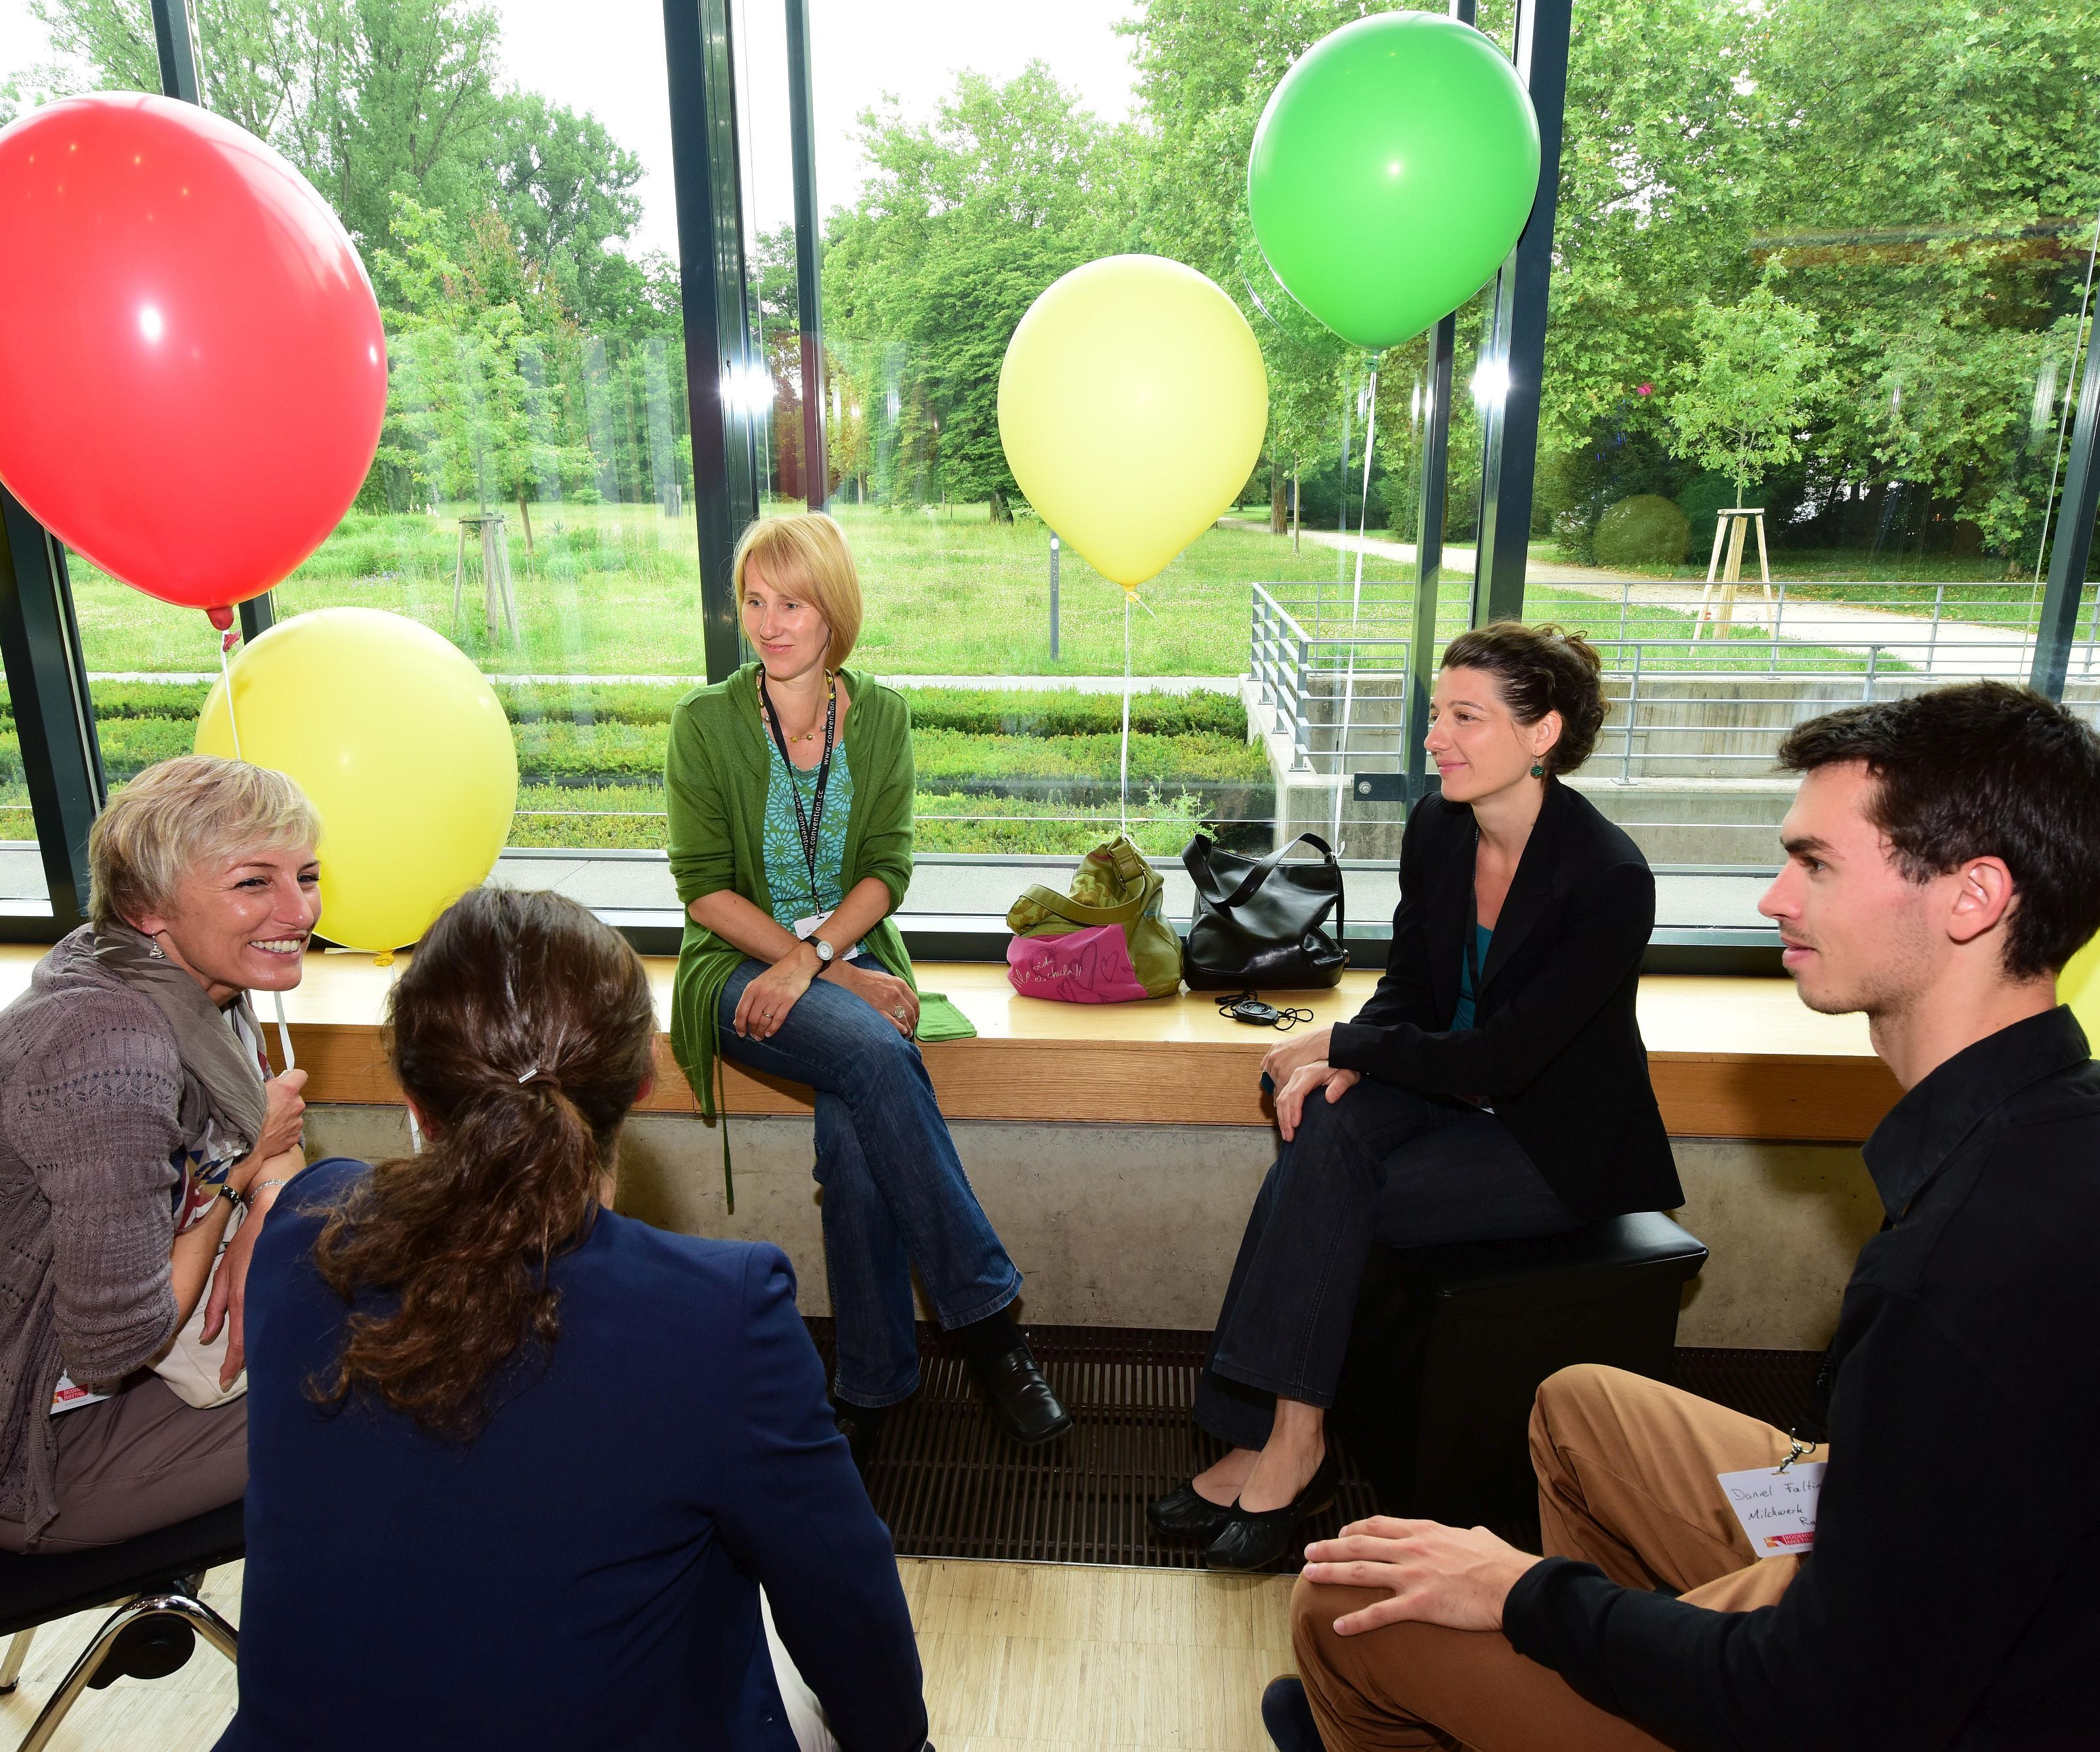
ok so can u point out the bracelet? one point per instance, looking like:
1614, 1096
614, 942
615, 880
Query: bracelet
248, 1198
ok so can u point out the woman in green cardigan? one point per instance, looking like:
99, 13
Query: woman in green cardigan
789, 788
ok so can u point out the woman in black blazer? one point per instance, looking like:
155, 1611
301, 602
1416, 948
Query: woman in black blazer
1495, 1087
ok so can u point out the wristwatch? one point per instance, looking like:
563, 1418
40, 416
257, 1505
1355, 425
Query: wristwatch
825, 952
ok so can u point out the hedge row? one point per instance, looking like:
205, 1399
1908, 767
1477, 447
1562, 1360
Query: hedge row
634, 753
989, 712
629, 818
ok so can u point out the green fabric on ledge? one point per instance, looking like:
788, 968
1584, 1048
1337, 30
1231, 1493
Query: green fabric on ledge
715, 772
940, 1020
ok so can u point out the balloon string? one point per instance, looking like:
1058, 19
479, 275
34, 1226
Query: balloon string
1355, 612
283, 1031
1123, 783
226, 643
226, 671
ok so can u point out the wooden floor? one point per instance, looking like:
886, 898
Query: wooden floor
1019, 1658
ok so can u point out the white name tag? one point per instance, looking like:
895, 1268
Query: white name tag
1777, 1509
806, 929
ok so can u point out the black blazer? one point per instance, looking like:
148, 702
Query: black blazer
1555, 1046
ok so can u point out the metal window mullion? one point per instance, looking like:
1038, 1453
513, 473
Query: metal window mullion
700, 55
1429, 526
801, 119
2072, 545
1516, 347
47, 687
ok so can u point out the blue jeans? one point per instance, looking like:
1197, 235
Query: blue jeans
895, 1194
1383, 1165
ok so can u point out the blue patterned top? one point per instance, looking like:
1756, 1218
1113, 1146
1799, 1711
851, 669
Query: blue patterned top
786, 870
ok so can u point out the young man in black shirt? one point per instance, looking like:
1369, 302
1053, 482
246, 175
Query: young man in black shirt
1943, 863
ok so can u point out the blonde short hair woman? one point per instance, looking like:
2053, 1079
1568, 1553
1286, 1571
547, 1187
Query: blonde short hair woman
135, 1115
789, 790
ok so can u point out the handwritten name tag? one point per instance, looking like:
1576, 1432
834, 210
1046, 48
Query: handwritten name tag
1777, 1509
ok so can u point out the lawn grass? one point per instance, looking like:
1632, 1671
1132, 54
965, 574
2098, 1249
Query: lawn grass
615, 590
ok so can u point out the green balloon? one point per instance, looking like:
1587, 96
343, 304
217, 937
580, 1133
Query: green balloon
1392, 173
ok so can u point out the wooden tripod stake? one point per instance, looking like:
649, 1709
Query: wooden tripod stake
1732, 525
499, 601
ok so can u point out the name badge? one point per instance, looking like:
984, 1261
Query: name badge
1777, 1508
806, 929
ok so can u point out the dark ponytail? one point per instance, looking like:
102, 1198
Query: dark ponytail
522, 1030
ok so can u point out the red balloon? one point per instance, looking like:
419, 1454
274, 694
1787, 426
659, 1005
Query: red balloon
193, 369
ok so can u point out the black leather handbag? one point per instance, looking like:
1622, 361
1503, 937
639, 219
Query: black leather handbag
1260, 922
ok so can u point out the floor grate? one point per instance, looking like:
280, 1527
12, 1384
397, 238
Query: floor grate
949, 1485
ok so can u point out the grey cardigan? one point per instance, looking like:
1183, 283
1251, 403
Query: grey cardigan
93, 1103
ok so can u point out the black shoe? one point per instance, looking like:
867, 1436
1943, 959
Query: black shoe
1020, 1400
861, 1427
1185, 1513
1253, 1541
1288, 1717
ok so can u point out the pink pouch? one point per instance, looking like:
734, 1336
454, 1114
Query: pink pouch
1088, 966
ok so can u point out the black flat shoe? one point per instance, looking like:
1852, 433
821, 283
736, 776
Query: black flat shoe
861, 1427
1254, 1542
1020, 1400
1185, 1513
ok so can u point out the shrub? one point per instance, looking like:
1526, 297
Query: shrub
1644, 530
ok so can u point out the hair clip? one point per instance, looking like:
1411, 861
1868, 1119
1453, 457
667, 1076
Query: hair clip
530, 1074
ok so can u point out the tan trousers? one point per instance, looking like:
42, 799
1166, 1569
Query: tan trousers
140, 1460
1625, 1482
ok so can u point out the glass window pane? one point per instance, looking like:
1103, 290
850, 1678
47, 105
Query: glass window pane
41, 60
967, 158
1800, 272
512, 198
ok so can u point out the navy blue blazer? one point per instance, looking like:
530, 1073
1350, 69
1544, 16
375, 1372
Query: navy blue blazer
585, 1573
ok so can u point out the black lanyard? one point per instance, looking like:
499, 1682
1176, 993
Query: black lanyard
809, 822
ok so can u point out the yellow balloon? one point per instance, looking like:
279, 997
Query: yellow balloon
1132, 405
2079, 986
402, 746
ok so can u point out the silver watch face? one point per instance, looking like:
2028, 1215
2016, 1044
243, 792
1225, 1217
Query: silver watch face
824, 950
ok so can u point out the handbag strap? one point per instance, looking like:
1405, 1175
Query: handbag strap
1072, 912
1196, 860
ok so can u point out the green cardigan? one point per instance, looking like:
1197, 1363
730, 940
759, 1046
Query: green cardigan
715, 777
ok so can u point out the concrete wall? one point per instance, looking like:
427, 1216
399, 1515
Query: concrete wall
1137, 1225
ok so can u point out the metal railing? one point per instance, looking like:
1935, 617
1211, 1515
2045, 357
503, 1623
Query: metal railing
1339, 695
1697, 689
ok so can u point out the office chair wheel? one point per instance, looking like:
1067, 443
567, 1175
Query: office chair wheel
146, 1648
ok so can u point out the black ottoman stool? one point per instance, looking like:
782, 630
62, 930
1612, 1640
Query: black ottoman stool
1450, 1345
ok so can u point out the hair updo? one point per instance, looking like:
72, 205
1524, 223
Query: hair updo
1537, 670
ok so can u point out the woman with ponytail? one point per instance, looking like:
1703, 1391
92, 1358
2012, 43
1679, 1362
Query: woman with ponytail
519, 1465
1494, 1088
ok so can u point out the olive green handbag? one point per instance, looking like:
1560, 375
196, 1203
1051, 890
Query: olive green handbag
1104, 942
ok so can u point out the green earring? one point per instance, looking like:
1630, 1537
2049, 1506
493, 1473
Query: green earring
1537, 771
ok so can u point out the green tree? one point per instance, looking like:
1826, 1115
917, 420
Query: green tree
368, 98
962, 222
566, 186
1756, 377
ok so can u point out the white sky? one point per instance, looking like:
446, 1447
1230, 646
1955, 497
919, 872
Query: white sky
608, 58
